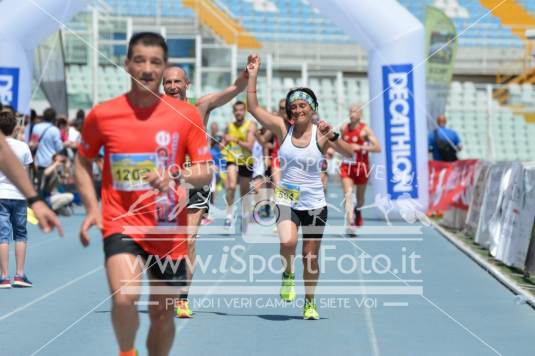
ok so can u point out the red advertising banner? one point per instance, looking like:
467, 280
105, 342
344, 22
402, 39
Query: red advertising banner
450, 185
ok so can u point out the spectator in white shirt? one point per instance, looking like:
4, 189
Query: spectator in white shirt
46, 138
13, 210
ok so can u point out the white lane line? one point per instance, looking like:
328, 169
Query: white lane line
54, 291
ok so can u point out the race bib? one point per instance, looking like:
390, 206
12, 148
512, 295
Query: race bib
128, 169
236, 152
287, 194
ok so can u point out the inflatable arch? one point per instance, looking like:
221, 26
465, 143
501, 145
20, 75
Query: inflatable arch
395, 43
394, 39
23, 25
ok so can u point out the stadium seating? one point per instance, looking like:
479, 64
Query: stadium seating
275, 20
476, 28
529, 5
143, 8
468, 113
284, 19
297, 20
467, 108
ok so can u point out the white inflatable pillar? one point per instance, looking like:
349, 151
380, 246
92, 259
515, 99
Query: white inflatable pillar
394, 39
23, 25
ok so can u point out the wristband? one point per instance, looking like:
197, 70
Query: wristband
34, 199
335, 137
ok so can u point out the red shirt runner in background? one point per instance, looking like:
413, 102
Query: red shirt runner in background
357, 168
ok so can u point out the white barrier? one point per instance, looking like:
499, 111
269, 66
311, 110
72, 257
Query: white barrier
488, 206
526, 230
505, 217
476, 201
502, 212
518, 214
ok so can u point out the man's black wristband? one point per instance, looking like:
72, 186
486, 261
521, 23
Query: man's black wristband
335, 137
34, 199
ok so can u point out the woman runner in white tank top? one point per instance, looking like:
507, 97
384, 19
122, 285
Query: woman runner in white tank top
300, 198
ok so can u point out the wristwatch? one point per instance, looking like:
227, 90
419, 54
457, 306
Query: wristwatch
335, 137
34, 199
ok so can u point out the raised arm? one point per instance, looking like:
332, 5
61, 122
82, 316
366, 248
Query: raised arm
270, 121
214, 100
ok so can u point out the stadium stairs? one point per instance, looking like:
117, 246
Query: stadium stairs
219, 21
512, 13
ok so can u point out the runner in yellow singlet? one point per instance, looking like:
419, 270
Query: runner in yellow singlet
240, 138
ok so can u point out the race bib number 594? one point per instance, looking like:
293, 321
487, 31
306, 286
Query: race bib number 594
287, 194
128, 170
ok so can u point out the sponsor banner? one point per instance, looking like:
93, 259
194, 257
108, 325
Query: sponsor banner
400, 131
527, 229
450, 185
476, 201
490, 201
512, 223
9, 86
441, 48
506, 213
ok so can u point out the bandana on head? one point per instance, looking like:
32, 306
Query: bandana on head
301, 95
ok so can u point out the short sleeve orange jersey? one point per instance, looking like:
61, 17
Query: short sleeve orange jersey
136, 141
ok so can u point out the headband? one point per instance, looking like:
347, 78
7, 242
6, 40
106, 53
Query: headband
301, 95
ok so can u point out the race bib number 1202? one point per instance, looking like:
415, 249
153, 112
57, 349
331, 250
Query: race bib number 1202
128, 169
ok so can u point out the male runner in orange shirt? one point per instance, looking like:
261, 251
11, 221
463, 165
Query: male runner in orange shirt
146, 137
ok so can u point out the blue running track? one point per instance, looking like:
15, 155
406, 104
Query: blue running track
445, 305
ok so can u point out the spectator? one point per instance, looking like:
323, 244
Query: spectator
14, 171
54, 177
46, 140
34, 120
73, 137
63, 126
9, 108
214, 129
80, 115
18, 134
13, 208
444, 143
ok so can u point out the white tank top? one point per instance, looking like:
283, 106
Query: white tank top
300, 185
